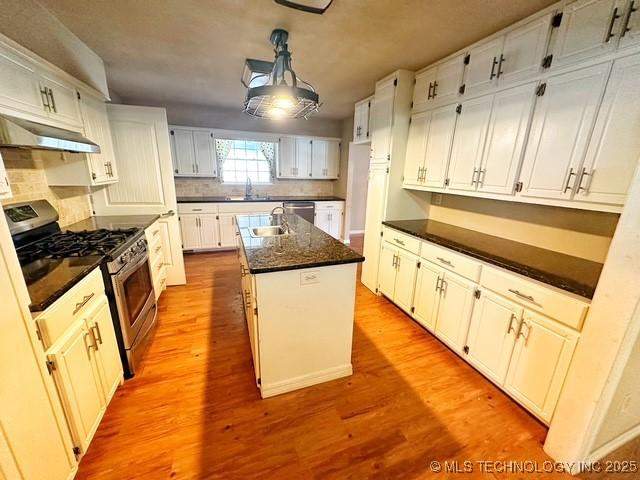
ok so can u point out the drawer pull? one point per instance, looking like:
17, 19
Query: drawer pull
310, 277
398, 241
157, 249
84, 301
445, 261
522, 295
247, 298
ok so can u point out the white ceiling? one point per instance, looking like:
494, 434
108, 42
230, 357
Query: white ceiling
192, 52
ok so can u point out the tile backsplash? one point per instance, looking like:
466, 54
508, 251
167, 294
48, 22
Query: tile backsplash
25, 169
199, 187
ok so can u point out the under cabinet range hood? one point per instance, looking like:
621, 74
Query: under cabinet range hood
19, 133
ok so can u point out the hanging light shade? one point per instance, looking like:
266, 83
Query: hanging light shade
279, 93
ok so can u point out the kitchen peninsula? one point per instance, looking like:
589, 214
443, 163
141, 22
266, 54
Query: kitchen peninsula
298, 287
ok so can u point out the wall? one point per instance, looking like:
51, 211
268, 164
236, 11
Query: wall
198, 187
28, 182
34, 27
579, 233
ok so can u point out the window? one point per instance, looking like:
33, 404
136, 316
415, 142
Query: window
243, 159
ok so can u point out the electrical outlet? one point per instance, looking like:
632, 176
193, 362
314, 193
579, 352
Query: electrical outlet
437, 199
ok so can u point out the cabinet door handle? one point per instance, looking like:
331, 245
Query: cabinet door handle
435, 90
44, 94
53, 100
247, 298
522, 295
398, 262
438, 283
614, 17
493, 68
96, 328
443, 287
500, 72
568, 184
480, 180
513, 317
583, 174
521, 331
82, 303
429, 91
625, 26
473, 176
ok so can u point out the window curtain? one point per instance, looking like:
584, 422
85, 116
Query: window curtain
268, 149
222, 150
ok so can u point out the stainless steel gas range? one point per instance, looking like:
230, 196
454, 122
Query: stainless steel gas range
41, 244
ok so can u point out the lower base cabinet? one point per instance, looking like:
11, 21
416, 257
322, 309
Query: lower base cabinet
397, 275
329, 218
454, 310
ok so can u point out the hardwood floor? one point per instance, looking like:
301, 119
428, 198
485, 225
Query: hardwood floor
194, 412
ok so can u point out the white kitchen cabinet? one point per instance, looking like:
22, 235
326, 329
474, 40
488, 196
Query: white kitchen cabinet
454, 310
362, 111
193, 151
503, 148
440, 84
382, 121
205, 153
416, 147
287, 157
614, 148
397, 275
227, 224
328, 218
587, 28
562, 123
304, 157
468, 143
325, 159
107, 354
492, 335
426, 297
376, 201
5, 186
539, 363
19, 85
73, 362
482, 71
199, 231
630, 29
440, 131
61, 100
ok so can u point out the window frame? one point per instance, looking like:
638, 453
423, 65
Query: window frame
248, 138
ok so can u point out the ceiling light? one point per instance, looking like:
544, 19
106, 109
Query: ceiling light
311, 6
280, 92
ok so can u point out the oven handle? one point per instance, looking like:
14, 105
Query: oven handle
130, 268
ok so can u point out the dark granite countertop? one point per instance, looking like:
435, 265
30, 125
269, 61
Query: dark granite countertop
113, 222
306, 247
48, 279
267, 198
573, 274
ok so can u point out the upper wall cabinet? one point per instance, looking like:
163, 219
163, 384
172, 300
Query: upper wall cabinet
362, 111
28, 90
381, 123
512, 57
5, 187
560, 130
193, 152
588, 28
307, 158
440, 84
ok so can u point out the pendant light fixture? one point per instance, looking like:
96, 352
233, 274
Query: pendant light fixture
278, 93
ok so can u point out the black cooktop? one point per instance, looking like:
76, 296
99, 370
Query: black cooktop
101, 242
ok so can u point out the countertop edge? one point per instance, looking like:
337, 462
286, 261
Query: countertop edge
534, 274
330, 263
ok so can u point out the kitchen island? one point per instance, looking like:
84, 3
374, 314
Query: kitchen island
298, 287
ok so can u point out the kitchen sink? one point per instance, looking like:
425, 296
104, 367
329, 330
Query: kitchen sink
270, 231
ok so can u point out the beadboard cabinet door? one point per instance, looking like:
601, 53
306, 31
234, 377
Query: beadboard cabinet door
614, 149
287, 157
468, 143
492, 335
183, 152
205, 153
560, 130
190, 230
442, 124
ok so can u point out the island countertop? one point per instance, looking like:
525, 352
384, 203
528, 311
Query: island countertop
305, 247
573, 274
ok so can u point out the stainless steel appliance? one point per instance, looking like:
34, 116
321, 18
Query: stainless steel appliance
41, 244
306, 210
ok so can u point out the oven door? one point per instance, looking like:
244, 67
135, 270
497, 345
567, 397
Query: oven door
134, 294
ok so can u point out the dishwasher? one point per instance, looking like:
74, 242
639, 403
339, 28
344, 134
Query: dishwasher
306, 210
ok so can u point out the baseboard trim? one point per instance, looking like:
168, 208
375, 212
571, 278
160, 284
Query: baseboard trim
614, 444
270, 390
356, 232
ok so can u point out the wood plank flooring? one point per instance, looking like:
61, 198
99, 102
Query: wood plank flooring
194, 412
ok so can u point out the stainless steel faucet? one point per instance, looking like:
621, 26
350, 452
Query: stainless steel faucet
284, 221
248, 188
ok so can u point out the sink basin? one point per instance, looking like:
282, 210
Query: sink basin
247, 199
270, 231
